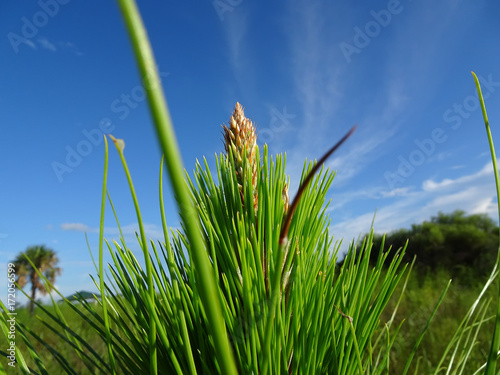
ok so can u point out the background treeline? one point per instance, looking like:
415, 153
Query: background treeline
458, 246
464, 247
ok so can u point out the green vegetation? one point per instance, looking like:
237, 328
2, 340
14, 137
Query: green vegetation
419, 299
415, 308
250, 283
44, 335
463, 246
449, 246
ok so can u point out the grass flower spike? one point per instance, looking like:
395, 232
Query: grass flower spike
240, 143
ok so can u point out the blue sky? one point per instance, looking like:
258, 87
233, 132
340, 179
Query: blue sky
305, 71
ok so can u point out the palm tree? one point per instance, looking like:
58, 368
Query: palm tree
43, 259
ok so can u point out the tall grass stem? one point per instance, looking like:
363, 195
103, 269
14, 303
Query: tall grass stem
101, 262
495, 342
164, 129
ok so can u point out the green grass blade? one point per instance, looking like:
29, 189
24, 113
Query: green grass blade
48, 286
495, 342
57, 355
19, 357
171, 268
78, 349
120, 145
424, 330
101, 261
161, 117
77, 340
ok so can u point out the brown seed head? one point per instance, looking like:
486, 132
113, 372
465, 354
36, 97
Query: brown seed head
240, 137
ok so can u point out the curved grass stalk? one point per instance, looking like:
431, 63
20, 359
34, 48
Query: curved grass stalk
120, 145
101, 262
288, 218
164, 129
495, 342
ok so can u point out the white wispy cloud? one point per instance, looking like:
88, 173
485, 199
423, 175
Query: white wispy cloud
235, 26
319, 72
398, 192
71, 47
46, 44
76, 227
373, 193
76, 263
473, 193
54, 46
316, 74
152, 231
316, 79
430, 185
129, 231
30, 43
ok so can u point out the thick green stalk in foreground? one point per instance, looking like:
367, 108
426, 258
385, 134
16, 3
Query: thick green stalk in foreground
166, 135
495, 342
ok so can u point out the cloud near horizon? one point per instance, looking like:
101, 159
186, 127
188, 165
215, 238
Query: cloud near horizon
152, 231
474, 193
76, 227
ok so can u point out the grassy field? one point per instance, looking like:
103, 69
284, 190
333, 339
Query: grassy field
35, 324
423, 291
